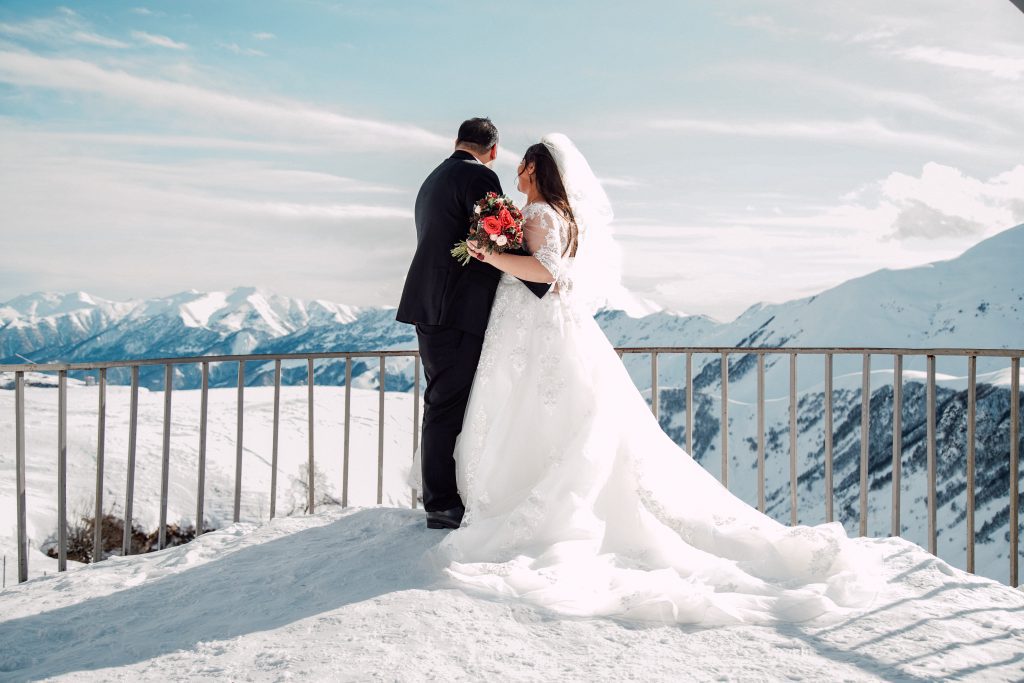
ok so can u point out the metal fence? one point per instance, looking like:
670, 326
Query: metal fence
898, 354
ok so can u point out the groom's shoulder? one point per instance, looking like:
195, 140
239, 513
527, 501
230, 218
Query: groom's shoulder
466, 170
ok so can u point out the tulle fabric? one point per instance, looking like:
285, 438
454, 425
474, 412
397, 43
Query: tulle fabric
578, 502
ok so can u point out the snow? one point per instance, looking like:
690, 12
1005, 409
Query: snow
351, 595
197, 313
1002, 378
44, 304
41, 456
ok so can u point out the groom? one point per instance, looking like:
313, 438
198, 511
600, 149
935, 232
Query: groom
450, 304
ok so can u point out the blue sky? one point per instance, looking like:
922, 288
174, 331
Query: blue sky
755, 150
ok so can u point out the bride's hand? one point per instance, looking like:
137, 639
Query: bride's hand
477, 252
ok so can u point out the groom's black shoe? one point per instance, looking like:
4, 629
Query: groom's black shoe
445, 519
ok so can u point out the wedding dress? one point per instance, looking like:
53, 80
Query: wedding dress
578, 502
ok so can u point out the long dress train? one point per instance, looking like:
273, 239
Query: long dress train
577, 501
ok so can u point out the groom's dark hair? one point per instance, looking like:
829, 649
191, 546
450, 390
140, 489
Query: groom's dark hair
479, 134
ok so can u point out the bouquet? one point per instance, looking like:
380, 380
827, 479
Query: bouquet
496, 223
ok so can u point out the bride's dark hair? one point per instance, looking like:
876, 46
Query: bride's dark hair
551, 189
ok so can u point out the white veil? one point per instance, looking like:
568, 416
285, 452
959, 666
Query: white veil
596, 271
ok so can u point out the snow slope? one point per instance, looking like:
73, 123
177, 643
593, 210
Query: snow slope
350, 596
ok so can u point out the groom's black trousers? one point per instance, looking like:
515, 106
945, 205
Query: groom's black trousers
450, 357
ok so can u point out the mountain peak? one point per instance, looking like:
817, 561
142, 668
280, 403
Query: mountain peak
45, 304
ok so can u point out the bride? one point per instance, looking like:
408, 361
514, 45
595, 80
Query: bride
575, 498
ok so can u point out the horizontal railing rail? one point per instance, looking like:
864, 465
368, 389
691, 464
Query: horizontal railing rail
269, 357
898, 354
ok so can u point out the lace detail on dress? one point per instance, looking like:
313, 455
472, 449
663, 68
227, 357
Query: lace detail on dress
547, 235
477, 431
825, 548
523, 522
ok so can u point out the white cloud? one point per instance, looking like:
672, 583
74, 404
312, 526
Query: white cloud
864, 131
872, 96
874, 35
66, 27
900, 221
917, 219
625, 182
765, 23
136, 227
944, 201
263, 35
941, 202
194, 142
239, 50
144, 11
281, 118
158, 40
96, 39
999, 66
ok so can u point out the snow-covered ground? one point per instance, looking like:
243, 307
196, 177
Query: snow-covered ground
349, 595
329, 407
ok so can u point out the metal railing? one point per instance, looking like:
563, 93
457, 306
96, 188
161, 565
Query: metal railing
898, 354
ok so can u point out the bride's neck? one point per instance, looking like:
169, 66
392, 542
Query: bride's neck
532, 196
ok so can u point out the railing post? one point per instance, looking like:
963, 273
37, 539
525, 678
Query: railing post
689, 402
348, 430
865, 416
930, 436
165, 461
310, 463
793, 438
238, 441
204, 408
129, 488
829, 492
897, 440
1014, 465
760, 433
654, 384
380, 435
62, 471
274, 438
415, 415
19, 456
972, 399
725, 419
101, 428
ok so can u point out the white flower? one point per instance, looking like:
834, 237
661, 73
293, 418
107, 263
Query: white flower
494, 238
476, 209
501, 240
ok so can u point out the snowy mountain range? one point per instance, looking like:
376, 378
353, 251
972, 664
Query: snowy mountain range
973, 301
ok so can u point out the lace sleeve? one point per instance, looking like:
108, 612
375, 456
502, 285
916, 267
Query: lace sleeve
542, 229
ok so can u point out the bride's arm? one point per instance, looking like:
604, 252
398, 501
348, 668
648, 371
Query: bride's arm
543, 240
523, 267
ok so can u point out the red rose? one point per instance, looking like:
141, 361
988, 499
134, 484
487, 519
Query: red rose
492, 225
506, 218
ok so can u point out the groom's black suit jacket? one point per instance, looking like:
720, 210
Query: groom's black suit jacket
438, 289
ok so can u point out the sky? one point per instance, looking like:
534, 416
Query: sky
754, 150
